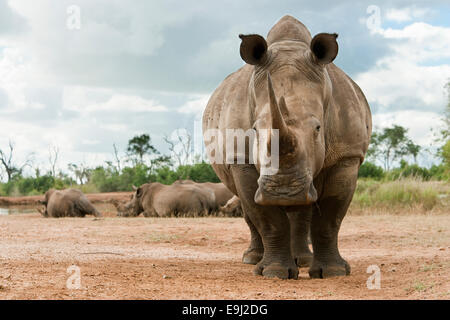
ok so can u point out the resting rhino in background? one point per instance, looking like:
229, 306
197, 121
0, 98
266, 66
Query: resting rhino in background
232, 208
324, 123
67, 203
221, 192
159, 200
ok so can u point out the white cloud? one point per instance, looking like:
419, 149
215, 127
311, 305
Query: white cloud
195, 105
85, 100
408, 84
404, 75
16, 78
116, 27
419, 123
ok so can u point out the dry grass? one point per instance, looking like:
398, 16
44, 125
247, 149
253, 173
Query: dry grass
404, 196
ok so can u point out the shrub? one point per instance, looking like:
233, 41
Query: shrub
370, 170
408, 170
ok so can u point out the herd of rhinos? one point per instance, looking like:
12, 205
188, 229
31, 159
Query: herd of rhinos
288, 85
183, 198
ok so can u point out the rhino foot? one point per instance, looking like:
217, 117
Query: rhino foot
277, 270
303, 260
252, 256
327, 270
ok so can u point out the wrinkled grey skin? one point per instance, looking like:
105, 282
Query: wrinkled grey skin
159, 200
67, 203
221, 192
290, 83
232, 208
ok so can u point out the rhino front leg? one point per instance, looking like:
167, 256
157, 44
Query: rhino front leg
255, 251
338, 188
270, 222
300, 221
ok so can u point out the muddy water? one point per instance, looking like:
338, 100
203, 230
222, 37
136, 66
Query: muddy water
17, 210
104, 208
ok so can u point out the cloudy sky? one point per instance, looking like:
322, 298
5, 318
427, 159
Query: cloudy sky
130, 67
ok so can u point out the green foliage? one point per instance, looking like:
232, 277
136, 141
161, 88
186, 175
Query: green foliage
445, 154
370, 170
110, 180
139, 146
391, 144
34, 186
408, 170
200, 172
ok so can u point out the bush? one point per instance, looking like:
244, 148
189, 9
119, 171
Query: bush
370, 170
440, 172
200, 172
408, 170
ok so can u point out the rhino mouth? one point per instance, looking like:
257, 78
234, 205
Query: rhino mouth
285, 190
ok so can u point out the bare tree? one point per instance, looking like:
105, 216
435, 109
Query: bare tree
180, 145
53, 159
82, 172
10, 168
116, 157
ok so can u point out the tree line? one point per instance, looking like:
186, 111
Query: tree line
141, 163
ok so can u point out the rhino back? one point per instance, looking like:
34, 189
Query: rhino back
175, 199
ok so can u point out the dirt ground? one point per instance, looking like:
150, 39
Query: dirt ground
200, 258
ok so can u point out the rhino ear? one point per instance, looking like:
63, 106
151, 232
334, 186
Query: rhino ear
324, 47
139, 192
253, 49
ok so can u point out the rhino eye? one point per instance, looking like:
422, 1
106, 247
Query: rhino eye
318, 128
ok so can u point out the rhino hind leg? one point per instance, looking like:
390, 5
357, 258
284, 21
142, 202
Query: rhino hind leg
84, 207
255, 251
300, 221
271, 223
338, 189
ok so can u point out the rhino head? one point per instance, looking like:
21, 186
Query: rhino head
133, 207
232, 208
289, 91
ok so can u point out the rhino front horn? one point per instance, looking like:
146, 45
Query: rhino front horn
275, 112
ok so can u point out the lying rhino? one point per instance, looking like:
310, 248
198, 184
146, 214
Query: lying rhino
221, 192
290, 87
232, 208
67, 203
159, 200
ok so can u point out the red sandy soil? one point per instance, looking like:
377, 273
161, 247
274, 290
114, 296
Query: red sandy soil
200, 258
